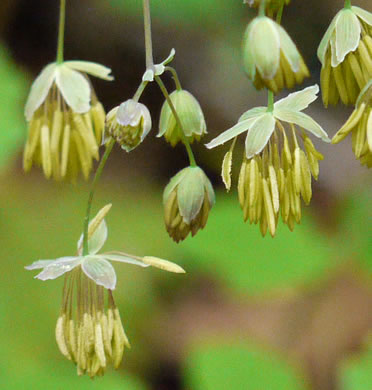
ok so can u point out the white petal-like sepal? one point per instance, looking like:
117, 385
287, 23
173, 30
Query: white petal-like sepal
259, 134
39, 264
363, 14
59, 267
123, 258
298, 101
100, 271
92, 68
74, 87
97, 240
40, 89
163, 264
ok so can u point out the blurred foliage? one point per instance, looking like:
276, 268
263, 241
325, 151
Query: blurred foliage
237, 253
12, 94
356, 372
240, 367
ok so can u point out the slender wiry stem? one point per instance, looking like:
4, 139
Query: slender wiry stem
91, 194
280, 13
177, 118
270, 101
262, 9
140, 90
347, 4
148, 37
61, 31
175, 77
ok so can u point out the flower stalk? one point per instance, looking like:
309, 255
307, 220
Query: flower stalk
148, 37
97, 176
61, 31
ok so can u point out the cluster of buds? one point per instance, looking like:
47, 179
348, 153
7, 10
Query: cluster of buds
359, 125
89, 330
346, 56
187, 200
271, 59
66, 121
276, 172
128, 124
189, 114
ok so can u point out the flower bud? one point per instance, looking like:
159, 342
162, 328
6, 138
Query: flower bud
128, 124
271, 59
190, 114
187, 199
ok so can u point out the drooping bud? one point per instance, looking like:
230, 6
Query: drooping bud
187, 200
190, 114
128, 124
271, 59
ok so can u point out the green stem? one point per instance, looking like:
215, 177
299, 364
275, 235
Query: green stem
270, 101
148, 37
91, 194
280, 13
347, 4
173, 109
262, 9
140, 90
175, 77
61, 31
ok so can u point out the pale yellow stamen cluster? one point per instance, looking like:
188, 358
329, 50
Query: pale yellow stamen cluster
62, 141
285, 77
274, 181
176, 227
359, 125
89, 332
346, 80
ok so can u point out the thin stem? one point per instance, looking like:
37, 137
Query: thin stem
175, 77
91, 194
148, 36
140, 90
182, 133
270, 101
61, 31
262, 9
280, 13
347, 4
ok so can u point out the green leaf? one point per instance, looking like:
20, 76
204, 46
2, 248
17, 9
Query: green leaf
12, 94
240, 367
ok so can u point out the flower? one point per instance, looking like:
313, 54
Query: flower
359, 125
65, 118
89, 331
187, 200
128, 124
190, 114
275, 171
346, 56
271, 58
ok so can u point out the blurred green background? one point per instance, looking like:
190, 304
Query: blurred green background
251, 313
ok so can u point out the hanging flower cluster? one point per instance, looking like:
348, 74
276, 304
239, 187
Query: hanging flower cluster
66, 121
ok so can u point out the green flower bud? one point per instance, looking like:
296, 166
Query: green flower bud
190, 115
187, 199
271, 59
128, 124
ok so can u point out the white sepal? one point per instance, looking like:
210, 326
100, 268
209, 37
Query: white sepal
298, 101
259, 134
97, 240
59, 267
92, 68
100, 271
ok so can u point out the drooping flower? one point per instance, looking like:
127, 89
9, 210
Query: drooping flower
128, 124
359, 125
271, 59
66, 120
276, 172
187, 200
89, 330
190, 115
346, 56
